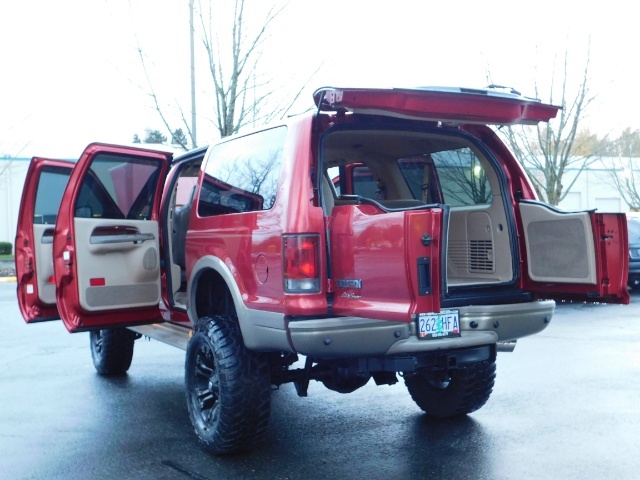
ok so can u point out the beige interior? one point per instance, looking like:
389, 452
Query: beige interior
560, 246
479, 250
479, 247
175, 268
182, 194
43, 245
131, 270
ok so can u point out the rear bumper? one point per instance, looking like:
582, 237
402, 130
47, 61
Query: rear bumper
344, 337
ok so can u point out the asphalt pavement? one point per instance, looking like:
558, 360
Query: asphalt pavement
565, 406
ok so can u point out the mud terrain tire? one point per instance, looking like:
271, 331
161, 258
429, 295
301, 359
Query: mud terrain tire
112, 350
466, 390
228, 387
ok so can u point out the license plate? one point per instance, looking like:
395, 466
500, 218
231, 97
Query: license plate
439, 325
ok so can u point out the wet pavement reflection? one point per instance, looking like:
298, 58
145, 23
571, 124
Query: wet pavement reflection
565, 406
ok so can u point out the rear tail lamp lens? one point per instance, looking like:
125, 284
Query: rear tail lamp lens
301, 263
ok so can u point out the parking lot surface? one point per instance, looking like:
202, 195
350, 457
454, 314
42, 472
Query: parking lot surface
565, 406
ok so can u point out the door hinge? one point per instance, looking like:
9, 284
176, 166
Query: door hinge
328, 223
28, 265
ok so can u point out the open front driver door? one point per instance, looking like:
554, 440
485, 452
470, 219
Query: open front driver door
575, 255
106, 242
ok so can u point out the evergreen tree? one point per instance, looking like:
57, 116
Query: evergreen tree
154, 136
179, 138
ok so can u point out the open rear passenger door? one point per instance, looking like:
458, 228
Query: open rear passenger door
575, 255
44, 185
106, 244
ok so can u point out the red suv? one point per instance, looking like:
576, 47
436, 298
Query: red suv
390, 231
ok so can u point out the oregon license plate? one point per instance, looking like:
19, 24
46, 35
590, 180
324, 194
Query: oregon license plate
439, 325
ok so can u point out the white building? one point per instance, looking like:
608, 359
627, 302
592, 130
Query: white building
592, 190
13, 171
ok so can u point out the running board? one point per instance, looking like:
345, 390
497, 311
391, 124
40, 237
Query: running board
174, 335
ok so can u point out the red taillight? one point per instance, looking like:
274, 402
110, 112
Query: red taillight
301, 263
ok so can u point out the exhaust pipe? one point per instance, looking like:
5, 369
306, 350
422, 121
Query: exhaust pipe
506, 346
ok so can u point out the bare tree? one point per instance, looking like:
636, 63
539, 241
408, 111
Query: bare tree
549, 151
10, 157
465, 180
622, 166
234, 76
624, 176
627, 144
182, 142
241, 95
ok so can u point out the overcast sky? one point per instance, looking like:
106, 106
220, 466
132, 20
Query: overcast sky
70, 71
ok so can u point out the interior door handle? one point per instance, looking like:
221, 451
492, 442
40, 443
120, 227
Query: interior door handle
47, 236
118, 234
121, 238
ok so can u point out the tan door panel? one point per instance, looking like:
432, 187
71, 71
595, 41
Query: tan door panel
118, 263
560, 245
43, 246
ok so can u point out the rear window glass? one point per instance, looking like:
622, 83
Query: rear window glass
408, 168
242, 175
51, 185
118, 187
463, 179
363, 182
459, 173
358, 180
420, 174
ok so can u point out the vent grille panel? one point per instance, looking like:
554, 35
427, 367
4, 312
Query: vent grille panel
481, 256
476, 256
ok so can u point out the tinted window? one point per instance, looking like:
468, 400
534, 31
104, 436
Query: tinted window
51, 186
421, 177
463, 180
118, 187
363, 182
242, 175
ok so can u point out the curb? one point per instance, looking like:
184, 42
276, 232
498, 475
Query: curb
7, 279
